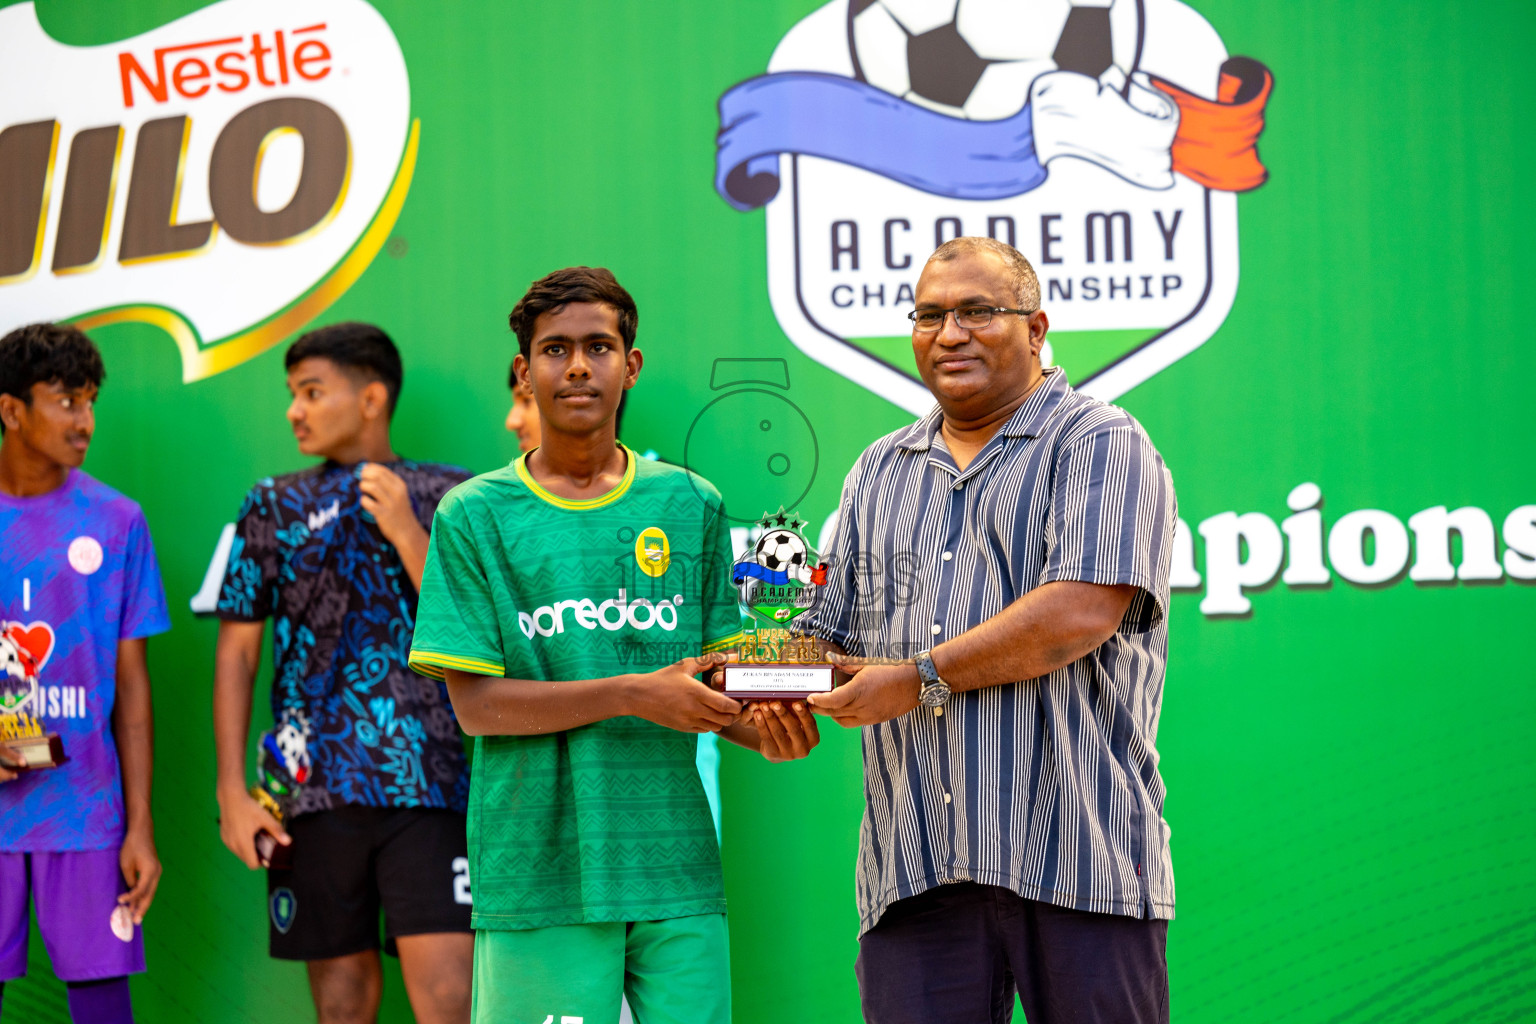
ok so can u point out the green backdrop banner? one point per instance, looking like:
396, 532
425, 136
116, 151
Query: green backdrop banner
1320, 329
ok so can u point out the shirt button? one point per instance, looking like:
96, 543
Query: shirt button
960, 487
946, 798
938, 712
935, 629
948, 556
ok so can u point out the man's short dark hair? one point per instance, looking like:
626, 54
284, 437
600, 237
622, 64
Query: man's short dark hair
363, 350
1025, 284
47, 354
573, 284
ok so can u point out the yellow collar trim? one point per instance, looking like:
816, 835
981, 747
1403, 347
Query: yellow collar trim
585, 504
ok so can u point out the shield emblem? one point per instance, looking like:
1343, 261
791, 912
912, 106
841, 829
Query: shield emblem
284, 907
1105, 139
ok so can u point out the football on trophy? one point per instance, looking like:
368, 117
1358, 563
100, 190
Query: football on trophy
11, 666
781, 551
975, 59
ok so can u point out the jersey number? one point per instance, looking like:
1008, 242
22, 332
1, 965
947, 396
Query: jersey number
461, 881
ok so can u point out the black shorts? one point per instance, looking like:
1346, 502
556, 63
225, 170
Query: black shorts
351, 862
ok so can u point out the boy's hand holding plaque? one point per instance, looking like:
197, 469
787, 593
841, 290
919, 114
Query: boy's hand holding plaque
777, 580
24, 737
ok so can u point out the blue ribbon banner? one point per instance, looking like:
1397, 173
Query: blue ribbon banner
777, 577
854, 123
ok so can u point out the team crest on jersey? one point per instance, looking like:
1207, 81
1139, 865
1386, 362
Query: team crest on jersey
85, 555
653, 552
1106, 139
777, 577
24, 650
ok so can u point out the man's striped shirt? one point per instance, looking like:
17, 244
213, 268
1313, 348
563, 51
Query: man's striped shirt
1048, 787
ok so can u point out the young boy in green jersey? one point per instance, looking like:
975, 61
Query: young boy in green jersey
570, 600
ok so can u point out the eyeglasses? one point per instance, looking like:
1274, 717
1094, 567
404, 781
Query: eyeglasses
970, 318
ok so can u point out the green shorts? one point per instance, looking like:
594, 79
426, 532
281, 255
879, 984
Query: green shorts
673, 972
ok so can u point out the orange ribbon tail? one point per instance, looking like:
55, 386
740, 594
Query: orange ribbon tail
1217, 142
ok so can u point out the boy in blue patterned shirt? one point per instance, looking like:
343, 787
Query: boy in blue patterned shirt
333, 555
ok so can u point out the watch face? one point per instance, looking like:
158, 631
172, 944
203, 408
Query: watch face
933, 694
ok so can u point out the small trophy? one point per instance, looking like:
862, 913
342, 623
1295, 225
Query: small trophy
777, 581
24, 734
282, 766
24, 650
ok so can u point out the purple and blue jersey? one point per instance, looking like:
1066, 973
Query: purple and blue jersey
77, 575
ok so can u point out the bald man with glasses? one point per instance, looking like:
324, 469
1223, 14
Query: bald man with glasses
999, 597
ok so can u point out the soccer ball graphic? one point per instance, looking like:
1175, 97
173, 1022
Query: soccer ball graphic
781, 551
975, 59
288, 746
10, 661
18, 679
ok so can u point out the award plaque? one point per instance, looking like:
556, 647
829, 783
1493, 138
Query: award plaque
282, 767
776, 581
25, 735
747, 680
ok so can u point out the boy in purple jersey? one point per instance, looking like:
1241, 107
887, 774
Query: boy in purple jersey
79, 594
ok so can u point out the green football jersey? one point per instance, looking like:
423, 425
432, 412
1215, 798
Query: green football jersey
607, 822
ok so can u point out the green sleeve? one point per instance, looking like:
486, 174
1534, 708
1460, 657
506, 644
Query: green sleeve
722, 613
456, 622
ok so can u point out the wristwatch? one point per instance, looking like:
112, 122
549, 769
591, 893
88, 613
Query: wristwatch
935, 691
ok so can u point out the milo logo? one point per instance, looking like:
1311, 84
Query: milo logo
224, 177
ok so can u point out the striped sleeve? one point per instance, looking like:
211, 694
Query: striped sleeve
1112, 515
831, 617
456, 625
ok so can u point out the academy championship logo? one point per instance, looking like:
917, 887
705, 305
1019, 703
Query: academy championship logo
1103, 138
778, 577
225, 177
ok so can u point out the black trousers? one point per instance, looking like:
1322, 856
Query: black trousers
956, 954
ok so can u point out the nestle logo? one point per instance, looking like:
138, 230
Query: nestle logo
228, 65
